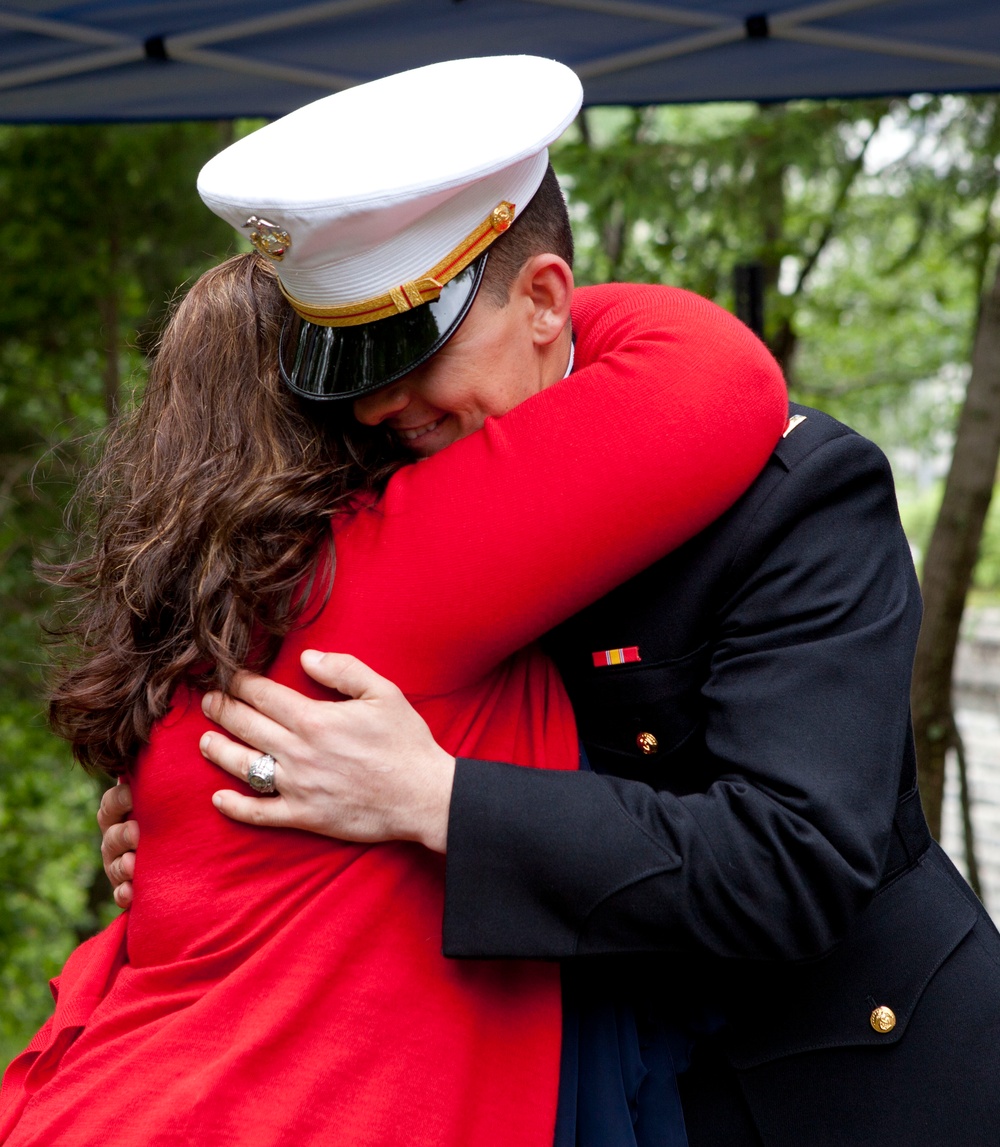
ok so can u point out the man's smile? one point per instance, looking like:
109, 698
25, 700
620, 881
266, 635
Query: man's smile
410, 434
419, 437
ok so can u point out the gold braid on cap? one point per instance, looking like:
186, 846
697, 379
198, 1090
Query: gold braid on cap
409, 295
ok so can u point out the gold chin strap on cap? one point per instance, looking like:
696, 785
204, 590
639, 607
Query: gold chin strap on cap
409, 295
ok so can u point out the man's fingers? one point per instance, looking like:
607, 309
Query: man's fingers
235, 759
116, 804
244, 721
267, 812
121, 869
345, 674
117, 840
117, 855
281, 704
265, 712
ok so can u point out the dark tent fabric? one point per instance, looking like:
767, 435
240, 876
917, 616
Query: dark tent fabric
149, 60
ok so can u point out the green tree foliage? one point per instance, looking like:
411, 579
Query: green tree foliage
48, 860
101, 224
870, 262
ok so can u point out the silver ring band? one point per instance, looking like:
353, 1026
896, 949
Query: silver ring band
260, 775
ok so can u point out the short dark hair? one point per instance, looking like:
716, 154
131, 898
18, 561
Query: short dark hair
543, 226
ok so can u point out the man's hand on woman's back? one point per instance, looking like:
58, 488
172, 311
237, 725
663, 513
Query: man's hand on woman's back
364, 768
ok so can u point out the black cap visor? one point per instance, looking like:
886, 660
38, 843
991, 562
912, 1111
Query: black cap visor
347, 362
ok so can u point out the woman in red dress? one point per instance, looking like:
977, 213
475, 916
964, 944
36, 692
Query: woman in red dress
293, 989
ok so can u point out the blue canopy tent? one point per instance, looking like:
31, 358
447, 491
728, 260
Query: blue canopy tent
173, 59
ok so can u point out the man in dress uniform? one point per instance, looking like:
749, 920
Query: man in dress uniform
746, 835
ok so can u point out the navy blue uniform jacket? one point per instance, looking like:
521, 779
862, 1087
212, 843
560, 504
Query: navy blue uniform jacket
770, 859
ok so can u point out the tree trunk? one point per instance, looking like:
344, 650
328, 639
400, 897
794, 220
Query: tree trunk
951, 555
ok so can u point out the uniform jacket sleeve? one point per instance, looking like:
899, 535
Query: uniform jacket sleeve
807, 630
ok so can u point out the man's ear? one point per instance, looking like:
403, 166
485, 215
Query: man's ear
546, 281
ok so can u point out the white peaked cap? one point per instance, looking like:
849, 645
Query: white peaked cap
364, 196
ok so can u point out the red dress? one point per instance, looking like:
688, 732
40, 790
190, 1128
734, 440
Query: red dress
275, 987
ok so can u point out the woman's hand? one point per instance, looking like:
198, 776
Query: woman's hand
366, 768
119, 839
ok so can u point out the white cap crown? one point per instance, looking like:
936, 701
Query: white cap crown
374, 194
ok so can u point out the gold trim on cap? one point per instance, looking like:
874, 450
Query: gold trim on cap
416, 292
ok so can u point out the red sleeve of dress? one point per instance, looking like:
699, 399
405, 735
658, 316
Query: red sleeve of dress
671, 413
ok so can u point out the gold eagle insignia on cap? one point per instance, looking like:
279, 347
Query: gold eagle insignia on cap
502, 216
268, 238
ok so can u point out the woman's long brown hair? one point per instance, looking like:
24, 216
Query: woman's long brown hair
205, 527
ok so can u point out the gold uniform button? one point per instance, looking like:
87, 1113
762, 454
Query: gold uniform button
647, 743
883, 1019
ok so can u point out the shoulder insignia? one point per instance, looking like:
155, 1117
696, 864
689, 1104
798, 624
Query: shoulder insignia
795, 420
